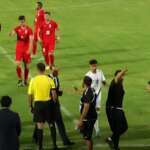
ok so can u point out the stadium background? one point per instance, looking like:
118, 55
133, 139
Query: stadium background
115, 32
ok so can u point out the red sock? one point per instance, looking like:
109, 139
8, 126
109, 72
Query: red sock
26, 73
34, 50
19, 72
46, 59
51, 59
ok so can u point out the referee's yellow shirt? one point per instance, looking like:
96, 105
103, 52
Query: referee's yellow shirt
40, 87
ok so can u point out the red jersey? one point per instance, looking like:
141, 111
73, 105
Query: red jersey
23, 33
39, 18
47, 31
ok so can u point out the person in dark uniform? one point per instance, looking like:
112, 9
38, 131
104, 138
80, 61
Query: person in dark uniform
114, 109
88, 112
10, 126
59, 119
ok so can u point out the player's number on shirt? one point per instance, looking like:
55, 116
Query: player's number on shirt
48, 32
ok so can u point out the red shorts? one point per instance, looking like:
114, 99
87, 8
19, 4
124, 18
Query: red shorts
48, 48
22, 52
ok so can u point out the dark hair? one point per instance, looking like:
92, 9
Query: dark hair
22, 17
117, 71
93, 61
87, 81
149, 82
48, 13
5, 101
40, 4
41, 67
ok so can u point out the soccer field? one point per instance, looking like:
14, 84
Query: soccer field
116, 33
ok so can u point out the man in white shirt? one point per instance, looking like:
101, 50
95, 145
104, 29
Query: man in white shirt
98, 80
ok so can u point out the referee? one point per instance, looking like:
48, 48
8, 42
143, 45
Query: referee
42, 92
114, 110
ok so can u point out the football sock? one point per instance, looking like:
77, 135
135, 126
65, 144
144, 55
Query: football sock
46, 60
53, 134
40, 138
19, 72
26, 73
96, 126
34, 49
51, 59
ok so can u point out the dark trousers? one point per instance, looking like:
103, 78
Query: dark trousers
60, 125
118, 124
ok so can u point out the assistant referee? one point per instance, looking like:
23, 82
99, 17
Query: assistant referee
42, 92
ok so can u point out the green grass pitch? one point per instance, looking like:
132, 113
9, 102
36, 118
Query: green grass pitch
116, 32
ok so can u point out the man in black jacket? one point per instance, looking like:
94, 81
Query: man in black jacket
59, 119
114, 109
10, 126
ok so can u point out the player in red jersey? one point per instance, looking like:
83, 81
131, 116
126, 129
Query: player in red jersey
23, 46
39, 19
49, 33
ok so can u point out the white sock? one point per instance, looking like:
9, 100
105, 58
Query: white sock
96, 126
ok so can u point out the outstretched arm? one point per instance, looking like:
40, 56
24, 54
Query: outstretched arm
120, 75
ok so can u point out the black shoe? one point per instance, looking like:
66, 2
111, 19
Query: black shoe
56, 148
20, 84
25, 83
69, 143
110, 142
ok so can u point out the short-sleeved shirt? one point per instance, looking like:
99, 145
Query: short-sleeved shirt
97, 79
23, 33
39, 18
40, 87
48, 30
89, 97
115, 94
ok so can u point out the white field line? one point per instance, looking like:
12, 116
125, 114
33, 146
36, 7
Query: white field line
4, 52
66, 112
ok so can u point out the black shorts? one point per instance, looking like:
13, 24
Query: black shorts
87, 130
44, 111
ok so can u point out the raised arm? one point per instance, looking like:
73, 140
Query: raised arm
120, 75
